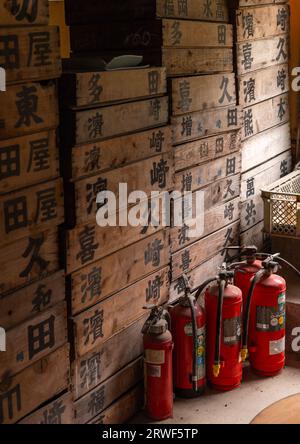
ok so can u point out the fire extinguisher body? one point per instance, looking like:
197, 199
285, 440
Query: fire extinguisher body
158, 375
230, 375
243, 275
181, 325
266, 341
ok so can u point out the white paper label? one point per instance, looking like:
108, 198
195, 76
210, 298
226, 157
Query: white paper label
155, 356
276, 347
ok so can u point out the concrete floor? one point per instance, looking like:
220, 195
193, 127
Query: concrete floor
239, 406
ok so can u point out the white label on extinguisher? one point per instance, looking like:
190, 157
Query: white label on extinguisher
154, 356
154, 371
277, 347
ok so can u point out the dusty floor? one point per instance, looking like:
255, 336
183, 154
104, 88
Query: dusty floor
239, 406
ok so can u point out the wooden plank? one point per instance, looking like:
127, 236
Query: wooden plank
123, 409
199, 252
101, 123
59, 411
198, 152
36, 13
264, 175
264, 22
265, 115
214, 219
149, 34
263, 84
28, 260
97, 88
199, 93
28, 160
252, 212
30, 54
265, 146
129, 264
117, 312
206, 123
98, 399
107, 359
96, 157
259, 2
200, 176
27, 302
31, 210
262, 53
89, 242
28, 108
255, 236
34, 339
158, 174
26, 391
196, 277
88, 11
182, 61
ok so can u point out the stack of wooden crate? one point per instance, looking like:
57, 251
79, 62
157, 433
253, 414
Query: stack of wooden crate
114, 132
35, 365
262, 34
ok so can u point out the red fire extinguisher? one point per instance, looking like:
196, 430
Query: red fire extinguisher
264, 321
158, 347
223, 306
188, 331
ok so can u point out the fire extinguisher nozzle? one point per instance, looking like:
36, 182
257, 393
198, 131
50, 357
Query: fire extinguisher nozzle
244, 354
216, 370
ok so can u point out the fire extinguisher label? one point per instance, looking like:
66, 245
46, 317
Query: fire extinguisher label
232, 330
270, 318
188, 329
154, 371
154, 356
277, 347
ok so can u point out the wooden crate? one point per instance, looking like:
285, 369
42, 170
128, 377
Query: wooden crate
29, 342
199, 93
206, 123
102, 321
196, 277
87, 243
28, 108
89, 89
102, 278
265, 146
107, 359
23, 393
214, 219
263, 84
255, 236
197, 177
84, 126
31, 300
88, 11
254, 180
265, 115
259, 54
150, 35
59, 411
28, 260
102, 396
28, 160
29, 54
123, 409
93, 158
157, 176
31, 210
36, 13
196, 153
185, 260
258, 23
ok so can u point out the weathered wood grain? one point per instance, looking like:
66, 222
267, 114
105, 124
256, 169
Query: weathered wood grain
33, 13
59, 411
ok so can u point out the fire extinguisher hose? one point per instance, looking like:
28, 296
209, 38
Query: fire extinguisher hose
284, 261
255, 280
195, 343
204, 285
217, 362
